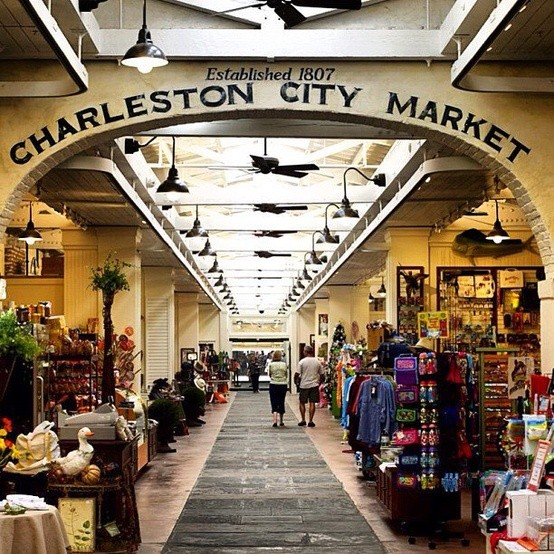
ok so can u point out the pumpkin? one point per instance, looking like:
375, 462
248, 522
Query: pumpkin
90, 475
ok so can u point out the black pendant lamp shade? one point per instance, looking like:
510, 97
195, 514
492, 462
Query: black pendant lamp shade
312, 258
30, 235
172, 186
346, 209
326, 235
215, 268
498, 234
144, 55
371, 298
207, 250
305, 275
197, 229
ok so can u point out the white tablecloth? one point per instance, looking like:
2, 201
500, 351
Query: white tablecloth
33, 532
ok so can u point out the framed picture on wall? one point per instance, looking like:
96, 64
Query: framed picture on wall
312, 340
322, 324
186, 354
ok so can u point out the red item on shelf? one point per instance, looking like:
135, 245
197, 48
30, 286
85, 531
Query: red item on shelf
539, 385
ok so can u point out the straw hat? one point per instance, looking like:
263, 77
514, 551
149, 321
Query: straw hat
425, 343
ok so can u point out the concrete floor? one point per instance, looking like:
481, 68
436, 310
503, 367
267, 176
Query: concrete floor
165, 486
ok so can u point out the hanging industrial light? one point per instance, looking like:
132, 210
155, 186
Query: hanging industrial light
215, 268
371, 298
207, 250
346, 209
144, 55
30, 235
312, 258
197, 229
305, 275
382, 292
498, 234
220, 282
326, 235
172, 186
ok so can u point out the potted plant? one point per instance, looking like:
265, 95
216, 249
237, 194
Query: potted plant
110, 279
16, 341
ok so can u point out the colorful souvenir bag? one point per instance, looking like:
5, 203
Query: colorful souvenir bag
405, 370
406, 394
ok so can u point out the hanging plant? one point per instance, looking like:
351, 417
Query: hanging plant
110, 279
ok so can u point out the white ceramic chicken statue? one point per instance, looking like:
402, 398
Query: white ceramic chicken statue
77, 460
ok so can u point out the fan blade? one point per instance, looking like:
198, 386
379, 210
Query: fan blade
257, 5
334, 4
266, 254
289, 14
274, 209
272, 234
288, 172
300, 167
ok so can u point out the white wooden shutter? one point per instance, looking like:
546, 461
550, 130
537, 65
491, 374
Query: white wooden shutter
158, 355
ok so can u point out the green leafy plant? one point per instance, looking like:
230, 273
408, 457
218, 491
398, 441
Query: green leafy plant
110, 279
16, 339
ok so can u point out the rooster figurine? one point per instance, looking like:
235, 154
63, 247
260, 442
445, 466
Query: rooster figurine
413, 282
77, 460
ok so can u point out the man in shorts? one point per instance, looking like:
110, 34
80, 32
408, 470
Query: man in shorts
310, 374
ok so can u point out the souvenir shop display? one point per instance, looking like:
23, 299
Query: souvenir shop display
410, 300
491, 307
421, 489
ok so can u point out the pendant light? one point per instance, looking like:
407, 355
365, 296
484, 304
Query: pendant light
30, 235
207, 250
382, 292
220, 282
326, 235
215, 268
197, 229
371, 298
312, 258
498, 234
346, 209
172, 186
144, 55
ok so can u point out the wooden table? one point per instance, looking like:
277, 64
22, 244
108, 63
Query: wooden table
34, 531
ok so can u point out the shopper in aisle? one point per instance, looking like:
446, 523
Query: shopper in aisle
278, 384
254, 373
311, 375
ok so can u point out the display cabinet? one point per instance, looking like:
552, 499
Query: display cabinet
71, 381
409, 285
494, 402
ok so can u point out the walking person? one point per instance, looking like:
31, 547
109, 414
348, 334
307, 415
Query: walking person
254, 372
278, 384
311, 375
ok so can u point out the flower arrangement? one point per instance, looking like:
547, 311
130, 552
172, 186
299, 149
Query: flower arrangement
8, 451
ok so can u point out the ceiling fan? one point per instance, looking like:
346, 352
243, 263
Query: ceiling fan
286, 10
268, 164
276, 209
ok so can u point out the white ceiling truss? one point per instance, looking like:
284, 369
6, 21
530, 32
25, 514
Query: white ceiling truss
263, 254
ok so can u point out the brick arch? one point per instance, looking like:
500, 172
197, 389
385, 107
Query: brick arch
441, 136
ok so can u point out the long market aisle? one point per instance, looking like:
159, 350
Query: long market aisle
267, 488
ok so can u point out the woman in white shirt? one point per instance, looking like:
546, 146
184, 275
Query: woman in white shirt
278, 385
